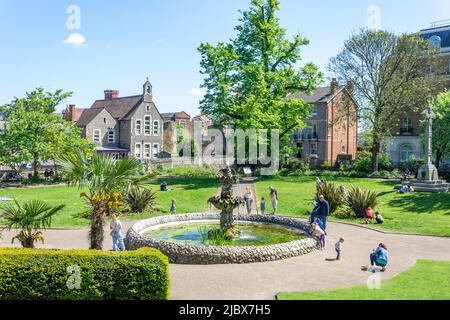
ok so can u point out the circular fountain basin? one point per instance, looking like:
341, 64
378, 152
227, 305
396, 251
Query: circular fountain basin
261, 238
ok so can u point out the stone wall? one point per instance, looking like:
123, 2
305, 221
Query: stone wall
199, 254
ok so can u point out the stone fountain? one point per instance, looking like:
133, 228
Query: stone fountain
226, 202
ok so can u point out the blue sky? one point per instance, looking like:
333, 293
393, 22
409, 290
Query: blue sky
126, 41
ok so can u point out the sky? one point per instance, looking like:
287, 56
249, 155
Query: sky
87, 46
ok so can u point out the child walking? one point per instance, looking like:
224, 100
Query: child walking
173, 207
319, 234
263, 206
338, 248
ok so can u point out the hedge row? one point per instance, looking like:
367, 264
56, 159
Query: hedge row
83, 275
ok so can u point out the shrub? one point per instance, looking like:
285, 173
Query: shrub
363, 162
30, 274
188, 172
139, 199
333, 194
29, 218
359, 200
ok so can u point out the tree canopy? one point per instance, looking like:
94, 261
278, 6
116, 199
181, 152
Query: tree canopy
391, 76
33, 132
248, 78
441, 127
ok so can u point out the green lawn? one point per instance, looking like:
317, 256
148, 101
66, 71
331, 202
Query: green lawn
425, 213
427, 280
191, 195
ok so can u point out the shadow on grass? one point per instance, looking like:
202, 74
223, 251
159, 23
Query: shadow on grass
422, 202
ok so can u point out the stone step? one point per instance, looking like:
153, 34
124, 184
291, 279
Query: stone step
425, 182
434, 188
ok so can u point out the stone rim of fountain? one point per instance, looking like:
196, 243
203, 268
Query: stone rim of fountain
180, 253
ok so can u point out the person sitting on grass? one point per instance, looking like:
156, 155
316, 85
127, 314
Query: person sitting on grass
378, 218
380, 257
319, 234
369, 216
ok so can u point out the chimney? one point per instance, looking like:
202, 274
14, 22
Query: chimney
334, 86
111, 94
69, 114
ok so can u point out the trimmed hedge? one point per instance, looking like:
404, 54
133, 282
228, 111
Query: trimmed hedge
32, 274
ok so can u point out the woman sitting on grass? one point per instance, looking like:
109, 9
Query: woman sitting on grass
369, 216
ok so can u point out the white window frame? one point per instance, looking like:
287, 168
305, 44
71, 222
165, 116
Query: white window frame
147, 151
149, 131
113, 140
153, 151
137, 147
99, 135
138, 127
315, 111
157, 131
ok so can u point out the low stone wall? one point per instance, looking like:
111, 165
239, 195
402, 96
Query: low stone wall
199, 254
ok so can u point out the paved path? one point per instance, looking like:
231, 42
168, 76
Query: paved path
265, 280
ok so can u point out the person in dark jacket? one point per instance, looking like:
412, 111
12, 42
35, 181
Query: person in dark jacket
323, 211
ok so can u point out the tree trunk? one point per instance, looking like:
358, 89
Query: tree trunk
28, 243
96, 233
375, 153
35, 166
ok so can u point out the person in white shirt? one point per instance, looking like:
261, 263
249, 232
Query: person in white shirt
116, 234
338, 248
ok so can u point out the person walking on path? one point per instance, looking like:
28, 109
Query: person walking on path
380, 257
173, 207
274, 199
116, 234
323, 211
338, 247
248, 198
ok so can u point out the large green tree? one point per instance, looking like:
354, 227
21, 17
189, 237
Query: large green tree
441, 126
34, 133
248, 78
391, 76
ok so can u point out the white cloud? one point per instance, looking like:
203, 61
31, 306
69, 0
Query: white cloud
197, 92
75, 39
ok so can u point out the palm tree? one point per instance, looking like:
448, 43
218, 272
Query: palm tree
29, 218
107, 180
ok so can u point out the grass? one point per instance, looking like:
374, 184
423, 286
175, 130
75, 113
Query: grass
424, 213
191, 196
427, 280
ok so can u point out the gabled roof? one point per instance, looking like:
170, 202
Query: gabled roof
87, 116
119, 108
320, 95
174, 115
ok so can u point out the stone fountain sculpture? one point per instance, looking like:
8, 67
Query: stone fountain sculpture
226, 202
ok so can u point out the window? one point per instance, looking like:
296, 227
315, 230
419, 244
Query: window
313, 149
406, 151
138, 151
111, 136
104, 120
138, 127
97, 135
407, 126
147, 154
155, 151
156, 128
147, 125
315, 111
344, 128
343, 150
148, 108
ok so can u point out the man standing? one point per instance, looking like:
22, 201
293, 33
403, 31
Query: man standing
323, 211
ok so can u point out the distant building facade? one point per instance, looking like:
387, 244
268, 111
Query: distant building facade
122, 126
332, 130
404, 141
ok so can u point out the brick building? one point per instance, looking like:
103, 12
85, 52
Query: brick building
177, 125
331, 134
